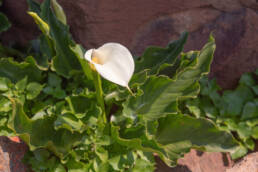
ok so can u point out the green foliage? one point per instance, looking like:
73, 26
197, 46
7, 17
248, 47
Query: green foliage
50, 101
164, 92
233, 110
4, 23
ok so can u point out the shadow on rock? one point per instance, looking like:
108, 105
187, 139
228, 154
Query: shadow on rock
161, 167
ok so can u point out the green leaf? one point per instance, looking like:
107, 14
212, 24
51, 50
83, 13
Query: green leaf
34, 6
47, 50
4, 84
138, 79
59, 93
255, 132
250, 144
43, 26
154, 57
256, 72
40, 132
65, 60
193, 107
135, 139
33, 90
54, 80
255, 89
5, 105
21, 85
250, 110
210, 88
10, 52
4, 23
240, 152
247, 79
191, 132
244, 131
80, 104
161, 93
17, 71
142, 166
233, 101
70, 122
209, 109
77, 49
60, 168
59, 12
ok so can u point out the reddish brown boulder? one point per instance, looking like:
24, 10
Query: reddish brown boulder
250, 3
247, 164
4, 161
11, 154
234, 33
196, 161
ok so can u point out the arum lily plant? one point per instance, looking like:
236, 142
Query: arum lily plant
113, 62
62, 115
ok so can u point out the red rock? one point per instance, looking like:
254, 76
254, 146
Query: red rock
11, 154
250, 3
199, 162
4, 161
226, 5
248, 164
235, 35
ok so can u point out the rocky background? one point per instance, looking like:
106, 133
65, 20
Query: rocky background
141, 23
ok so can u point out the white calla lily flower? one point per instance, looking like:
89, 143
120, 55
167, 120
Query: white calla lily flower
113, 62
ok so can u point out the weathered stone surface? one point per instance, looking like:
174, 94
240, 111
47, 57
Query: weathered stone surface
234, 33
196, 161
4, 161
226, 5
250, 3
11, 154
247, 164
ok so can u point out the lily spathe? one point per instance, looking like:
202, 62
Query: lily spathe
113, 62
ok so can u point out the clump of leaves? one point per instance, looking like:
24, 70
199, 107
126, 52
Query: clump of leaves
51, 101
234, 111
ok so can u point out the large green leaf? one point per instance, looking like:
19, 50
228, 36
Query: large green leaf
43, 26
17, 71
135, 139
46, 44
154, 57
40, 132
189, 132
161, 93
65, 60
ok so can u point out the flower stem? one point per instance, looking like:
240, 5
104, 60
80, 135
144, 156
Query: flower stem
99, 91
